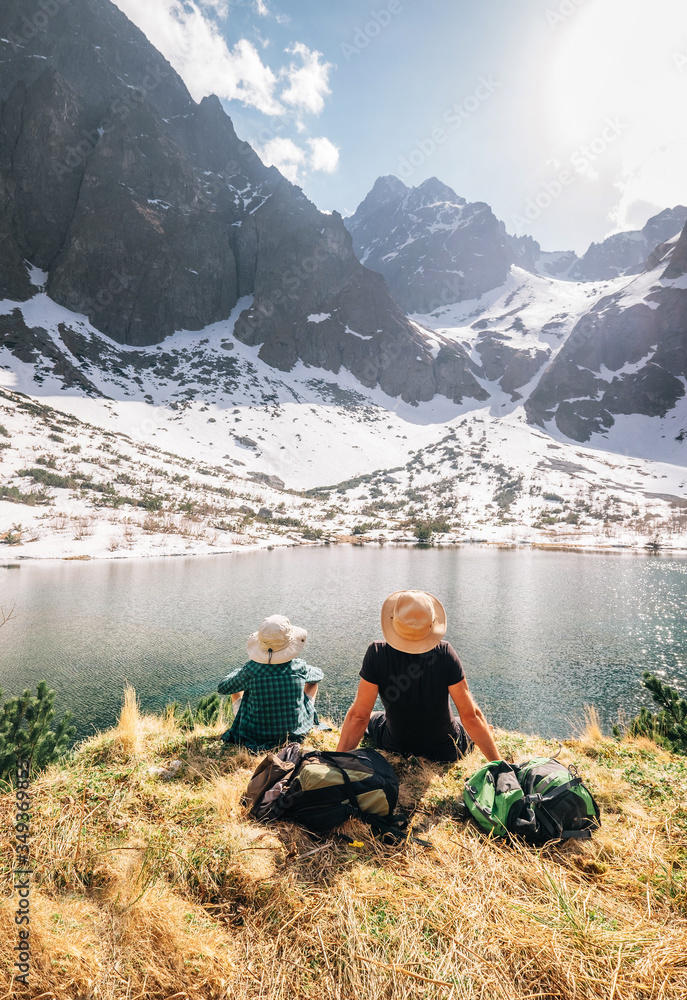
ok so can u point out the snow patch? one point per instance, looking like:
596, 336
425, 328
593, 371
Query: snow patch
361, 336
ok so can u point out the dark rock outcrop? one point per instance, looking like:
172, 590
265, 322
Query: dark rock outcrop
432, 247
34, 346
150, 215
643, 329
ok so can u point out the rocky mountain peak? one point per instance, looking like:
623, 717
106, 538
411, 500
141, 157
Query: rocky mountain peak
431, 192
150, 215
666, 224
386, 189
432, 247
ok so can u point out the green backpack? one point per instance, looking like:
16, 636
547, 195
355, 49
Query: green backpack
540, 800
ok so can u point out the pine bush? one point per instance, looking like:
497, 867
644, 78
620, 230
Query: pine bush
668, 727
26, 732
205, 713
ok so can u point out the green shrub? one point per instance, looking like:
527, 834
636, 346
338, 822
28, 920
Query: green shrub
205, 713
4, 432
508, 493
48, 478
26, 732
425, 530
668, 727
150, 502
364, 526
312, 534
31, 499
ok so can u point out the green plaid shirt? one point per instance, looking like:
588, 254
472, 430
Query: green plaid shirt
274, 704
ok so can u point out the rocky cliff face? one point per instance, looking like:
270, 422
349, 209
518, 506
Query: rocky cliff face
149, 215
627, 355
432, 247
627, 253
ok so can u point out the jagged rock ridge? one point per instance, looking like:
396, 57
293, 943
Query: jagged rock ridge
432, 247
623, 253
149, 215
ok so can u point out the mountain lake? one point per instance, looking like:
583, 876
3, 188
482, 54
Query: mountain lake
541, 633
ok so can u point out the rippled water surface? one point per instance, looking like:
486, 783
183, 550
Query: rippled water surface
541, 634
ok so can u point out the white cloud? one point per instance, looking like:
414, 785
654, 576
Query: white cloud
249, 80
293, 161
285, 155
187, 34
654, 182
220, 7
192, 42
308, 82
324, 155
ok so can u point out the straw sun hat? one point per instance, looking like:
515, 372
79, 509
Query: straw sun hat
276, 641
413, 621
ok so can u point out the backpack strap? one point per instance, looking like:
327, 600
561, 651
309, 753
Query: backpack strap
395, 827
554, 793
348, 784
554, 827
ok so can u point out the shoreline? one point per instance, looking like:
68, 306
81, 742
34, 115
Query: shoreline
586, 548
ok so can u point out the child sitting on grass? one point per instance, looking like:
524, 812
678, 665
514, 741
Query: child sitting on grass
273, 693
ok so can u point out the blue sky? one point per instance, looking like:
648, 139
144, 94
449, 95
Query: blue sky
566, 116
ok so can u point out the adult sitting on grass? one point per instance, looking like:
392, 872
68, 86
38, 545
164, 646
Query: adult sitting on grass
414, 672
273, 694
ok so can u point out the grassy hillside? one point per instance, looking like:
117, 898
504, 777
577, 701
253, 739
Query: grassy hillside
155, 887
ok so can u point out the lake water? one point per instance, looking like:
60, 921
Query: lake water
541, 634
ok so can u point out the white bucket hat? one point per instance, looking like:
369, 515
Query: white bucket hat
413, 621
276, 641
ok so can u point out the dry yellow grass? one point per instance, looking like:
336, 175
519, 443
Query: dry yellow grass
157, 889
128, 725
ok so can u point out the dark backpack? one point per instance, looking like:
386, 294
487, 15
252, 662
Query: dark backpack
540, 800
321, 790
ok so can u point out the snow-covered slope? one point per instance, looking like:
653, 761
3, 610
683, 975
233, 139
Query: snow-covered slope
621, 376
514, 331
198, 445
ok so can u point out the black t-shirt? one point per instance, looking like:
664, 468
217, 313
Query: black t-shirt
413, 688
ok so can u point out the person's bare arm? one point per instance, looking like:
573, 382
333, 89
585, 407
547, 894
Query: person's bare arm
358, 716
474, 722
